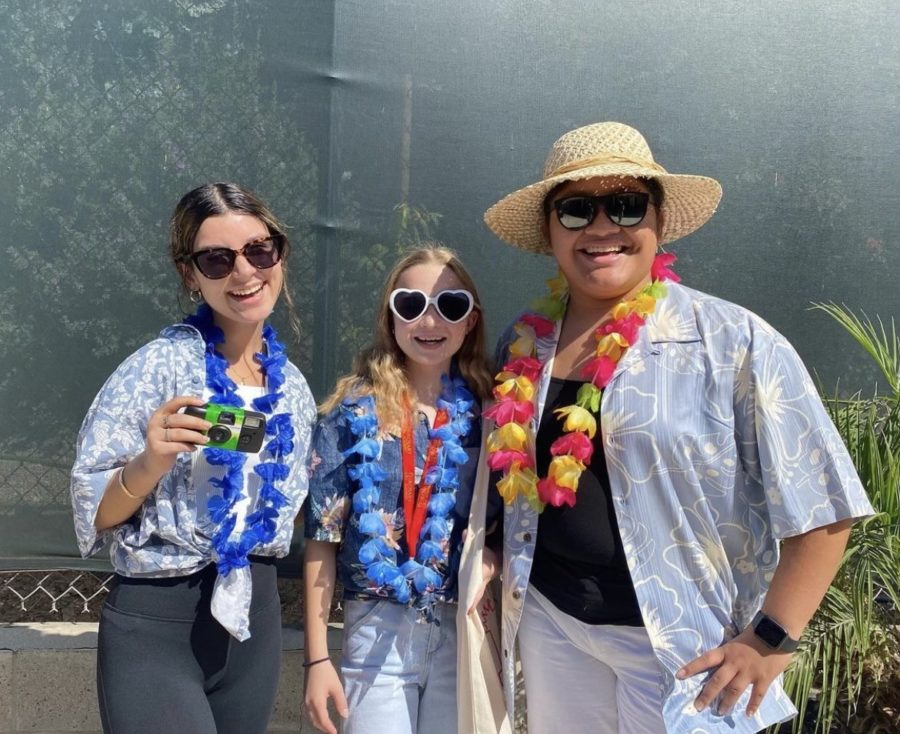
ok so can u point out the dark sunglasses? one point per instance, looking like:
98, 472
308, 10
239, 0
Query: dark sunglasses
626, 209
218, 262
410, 305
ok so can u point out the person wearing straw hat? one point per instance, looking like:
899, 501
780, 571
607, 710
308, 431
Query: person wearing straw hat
677, 499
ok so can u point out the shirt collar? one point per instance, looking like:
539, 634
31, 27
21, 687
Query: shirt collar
674, 319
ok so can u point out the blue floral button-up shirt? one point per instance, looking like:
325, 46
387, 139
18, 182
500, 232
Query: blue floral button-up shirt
718, 446
328, 514
170, 535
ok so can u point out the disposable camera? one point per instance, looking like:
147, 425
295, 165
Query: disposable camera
232, 428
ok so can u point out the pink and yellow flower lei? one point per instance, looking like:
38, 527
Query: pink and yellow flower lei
509, 444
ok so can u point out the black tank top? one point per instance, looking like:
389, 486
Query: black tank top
579, 562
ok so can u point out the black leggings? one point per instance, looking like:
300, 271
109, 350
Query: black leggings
165, 665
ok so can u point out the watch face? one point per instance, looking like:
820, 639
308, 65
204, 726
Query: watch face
770, 632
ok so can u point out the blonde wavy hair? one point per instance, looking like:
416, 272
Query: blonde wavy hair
379, 370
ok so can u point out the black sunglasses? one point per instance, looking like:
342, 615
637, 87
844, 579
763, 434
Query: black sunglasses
218, 262
626, 209
410, 305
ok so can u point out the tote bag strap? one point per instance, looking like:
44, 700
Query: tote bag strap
482, 707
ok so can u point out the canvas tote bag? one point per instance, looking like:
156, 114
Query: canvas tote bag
479, 677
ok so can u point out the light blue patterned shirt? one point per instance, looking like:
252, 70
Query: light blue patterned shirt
717, 446
170, 535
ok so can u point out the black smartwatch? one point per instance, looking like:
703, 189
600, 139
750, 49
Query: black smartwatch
772, 633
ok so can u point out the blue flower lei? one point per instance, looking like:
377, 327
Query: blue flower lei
261, 524
417, 580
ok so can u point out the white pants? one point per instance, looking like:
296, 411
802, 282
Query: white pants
595, 679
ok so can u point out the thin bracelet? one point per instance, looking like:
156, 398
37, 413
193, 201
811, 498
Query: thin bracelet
125, 489
316, 662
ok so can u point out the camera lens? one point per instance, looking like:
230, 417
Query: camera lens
219, 434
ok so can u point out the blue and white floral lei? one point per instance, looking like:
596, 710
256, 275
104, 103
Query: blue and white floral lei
417, 580
261, 524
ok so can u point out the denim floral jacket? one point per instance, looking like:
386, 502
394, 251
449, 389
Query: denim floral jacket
170, 534
718, 447
329, 516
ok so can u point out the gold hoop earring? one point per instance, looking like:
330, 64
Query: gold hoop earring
195, 296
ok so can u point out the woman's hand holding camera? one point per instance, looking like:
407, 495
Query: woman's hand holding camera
169, 433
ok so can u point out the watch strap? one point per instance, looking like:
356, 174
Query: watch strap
773, 633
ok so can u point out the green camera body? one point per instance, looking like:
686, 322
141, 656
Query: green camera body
232, 428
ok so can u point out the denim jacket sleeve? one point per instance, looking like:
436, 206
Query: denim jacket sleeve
493, 520
329, 486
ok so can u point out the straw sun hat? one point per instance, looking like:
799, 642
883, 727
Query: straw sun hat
608, 149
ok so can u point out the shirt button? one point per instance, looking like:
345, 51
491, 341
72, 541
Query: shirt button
527, 537
195, 379
517, 594
505, 653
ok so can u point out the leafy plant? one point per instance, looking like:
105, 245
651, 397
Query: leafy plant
847, 669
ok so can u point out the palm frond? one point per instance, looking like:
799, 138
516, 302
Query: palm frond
849, 638
882, 344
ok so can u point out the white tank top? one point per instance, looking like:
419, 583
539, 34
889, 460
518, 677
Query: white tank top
202, 471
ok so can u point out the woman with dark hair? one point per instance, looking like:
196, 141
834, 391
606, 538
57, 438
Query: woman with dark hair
190, 635
677, 499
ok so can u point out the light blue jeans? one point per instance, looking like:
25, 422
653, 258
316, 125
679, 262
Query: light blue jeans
399, 671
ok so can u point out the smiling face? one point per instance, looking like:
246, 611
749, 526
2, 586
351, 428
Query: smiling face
246, 296
604, 263
430, 342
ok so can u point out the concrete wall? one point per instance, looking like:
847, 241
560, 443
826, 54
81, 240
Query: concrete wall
47, 679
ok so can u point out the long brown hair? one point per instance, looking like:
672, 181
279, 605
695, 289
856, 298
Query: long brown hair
379, 369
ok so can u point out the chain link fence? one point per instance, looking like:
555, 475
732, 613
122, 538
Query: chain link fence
63, 595
52, 596
34, 480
